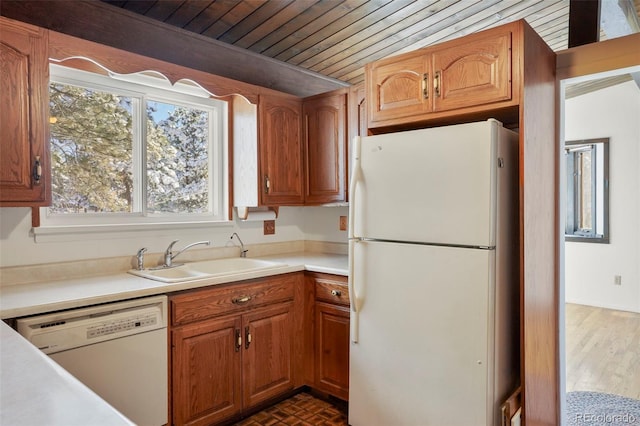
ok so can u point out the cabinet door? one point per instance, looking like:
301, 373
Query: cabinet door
472, 73
332, 349
268, 354
206, 371
398, 87
325, 154
280, 154
24, 144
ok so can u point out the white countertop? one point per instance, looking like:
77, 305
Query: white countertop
36, 390
36, 298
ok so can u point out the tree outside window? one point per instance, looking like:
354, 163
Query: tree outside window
119, 149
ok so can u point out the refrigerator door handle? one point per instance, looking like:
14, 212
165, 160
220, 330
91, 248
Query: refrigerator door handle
355, 175
353, 319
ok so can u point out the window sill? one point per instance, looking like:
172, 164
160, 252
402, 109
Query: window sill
580, 239
81, 232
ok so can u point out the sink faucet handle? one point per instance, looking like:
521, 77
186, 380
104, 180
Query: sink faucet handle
168, 253
140, 258
243, 251
170, 248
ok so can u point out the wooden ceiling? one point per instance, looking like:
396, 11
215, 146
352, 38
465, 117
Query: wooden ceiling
336, 38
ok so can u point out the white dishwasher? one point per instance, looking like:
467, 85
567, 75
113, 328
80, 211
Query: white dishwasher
119, 350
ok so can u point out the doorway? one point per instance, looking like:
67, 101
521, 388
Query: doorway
599, 312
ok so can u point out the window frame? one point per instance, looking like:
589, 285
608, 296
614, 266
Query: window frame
151, 86
599, 184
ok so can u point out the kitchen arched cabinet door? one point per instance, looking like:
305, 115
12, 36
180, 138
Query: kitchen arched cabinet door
474, 73
280, 151
24, 142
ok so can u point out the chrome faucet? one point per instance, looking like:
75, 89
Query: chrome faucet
169, 256
243, 251
140, 258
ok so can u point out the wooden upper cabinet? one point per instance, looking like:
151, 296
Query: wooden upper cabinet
398, 87
280, 151
473, 73
24, 144
461, 78
325, 154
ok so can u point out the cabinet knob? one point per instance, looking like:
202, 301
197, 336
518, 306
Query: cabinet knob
238, 340
336, 293
37, 170
436, 83
267, 184
247, 335
425, 88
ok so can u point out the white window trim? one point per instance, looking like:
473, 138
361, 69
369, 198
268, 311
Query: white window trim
157, 89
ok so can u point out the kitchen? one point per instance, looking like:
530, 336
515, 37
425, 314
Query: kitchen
299, 225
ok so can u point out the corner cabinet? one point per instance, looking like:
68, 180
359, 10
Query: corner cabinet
463, 76
232, 348
302, 149
331, 334
280, 151
325, 123
24, 149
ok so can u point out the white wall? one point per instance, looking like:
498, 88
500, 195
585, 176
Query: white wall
590, 268
18, 247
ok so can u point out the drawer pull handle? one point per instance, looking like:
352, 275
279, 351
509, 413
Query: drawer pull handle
336, 293
241, 300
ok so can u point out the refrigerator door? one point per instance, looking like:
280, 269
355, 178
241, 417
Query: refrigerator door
423, 355
432, 185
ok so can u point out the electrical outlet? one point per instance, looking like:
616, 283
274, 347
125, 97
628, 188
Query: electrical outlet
617, 279
269, 227
343, 223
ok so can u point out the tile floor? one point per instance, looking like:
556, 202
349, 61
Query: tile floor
302, 409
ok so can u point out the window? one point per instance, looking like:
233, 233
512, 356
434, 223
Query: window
127, 152
587, 190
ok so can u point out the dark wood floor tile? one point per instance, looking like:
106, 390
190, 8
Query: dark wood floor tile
300, 410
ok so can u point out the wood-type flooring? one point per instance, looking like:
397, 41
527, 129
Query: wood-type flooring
602, 350
301, 410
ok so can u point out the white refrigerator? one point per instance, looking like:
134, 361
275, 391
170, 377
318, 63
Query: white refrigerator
433, 252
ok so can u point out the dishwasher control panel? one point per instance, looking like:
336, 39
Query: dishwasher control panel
107, 328
65, 330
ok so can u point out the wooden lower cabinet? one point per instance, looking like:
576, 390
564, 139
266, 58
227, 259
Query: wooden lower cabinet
206, 372
223, 365
332, 349
331, 334
267, 356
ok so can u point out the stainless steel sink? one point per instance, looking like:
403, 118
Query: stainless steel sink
206, 269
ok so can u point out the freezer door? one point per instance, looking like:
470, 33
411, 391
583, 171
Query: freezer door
432, 185
423, 355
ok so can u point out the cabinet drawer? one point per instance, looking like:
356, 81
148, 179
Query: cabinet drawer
202, 304
332, 291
